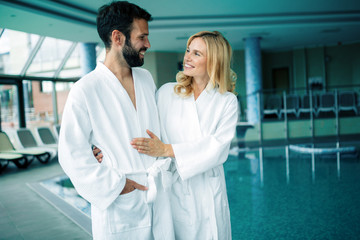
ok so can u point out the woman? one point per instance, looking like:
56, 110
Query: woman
198, 116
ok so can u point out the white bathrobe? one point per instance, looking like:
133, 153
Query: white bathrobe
200, 133
99, 112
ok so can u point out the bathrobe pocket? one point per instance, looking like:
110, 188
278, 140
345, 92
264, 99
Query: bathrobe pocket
129, 212
220, 203
182, 203
215, 180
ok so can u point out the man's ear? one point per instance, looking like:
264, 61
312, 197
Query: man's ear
118, 38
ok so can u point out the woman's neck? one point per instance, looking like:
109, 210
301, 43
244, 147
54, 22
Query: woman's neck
199, 85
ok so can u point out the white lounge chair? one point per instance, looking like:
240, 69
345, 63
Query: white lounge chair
6, 147
27, 140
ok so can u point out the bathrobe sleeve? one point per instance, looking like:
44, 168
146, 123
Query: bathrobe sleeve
97, 183
199, 156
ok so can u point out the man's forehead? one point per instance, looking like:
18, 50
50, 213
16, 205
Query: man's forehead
140, 26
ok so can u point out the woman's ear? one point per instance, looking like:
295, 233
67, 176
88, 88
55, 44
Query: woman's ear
117, 38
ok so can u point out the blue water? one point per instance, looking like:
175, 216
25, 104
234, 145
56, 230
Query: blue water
63, 188
294, 198
277, 198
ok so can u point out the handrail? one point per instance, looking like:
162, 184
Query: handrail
35, 78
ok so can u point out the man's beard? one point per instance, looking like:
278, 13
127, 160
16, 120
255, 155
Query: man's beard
131, 56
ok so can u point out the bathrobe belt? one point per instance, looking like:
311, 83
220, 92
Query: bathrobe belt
160, 170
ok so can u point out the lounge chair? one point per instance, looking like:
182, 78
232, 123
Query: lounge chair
292, 105
46, 136
306, 107
18, 159
273, 106
347, 101
28, 141
30, 153
57, 130
327, 102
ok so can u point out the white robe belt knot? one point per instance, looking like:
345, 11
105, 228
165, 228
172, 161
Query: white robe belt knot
160, 170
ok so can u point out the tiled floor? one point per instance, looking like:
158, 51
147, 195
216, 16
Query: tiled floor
24, 214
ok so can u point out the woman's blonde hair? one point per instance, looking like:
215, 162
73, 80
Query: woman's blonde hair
219, 55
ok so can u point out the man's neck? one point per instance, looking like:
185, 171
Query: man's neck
123, 73
118, 67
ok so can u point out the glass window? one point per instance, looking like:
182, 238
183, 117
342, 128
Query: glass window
38, 101
38, 104
72, 67
101, 53
15, 48
61, 95
49, 57
47, 86
9, 107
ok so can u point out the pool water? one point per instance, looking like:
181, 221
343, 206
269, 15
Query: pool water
63, 188
274, 197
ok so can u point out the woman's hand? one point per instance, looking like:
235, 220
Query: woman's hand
152, 146
97, 154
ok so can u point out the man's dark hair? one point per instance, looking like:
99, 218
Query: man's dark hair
118, 16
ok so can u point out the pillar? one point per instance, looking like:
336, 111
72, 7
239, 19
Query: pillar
87, 57
253, 78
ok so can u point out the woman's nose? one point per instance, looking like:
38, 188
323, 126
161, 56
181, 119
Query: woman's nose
187, 57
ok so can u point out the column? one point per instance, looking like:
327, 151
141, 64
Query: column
253, 78
87, 57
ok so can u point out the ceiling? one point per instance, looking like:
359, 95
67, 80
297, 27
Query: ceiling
281, 24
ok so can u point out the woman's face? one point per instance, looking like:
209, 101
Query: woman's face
195, 59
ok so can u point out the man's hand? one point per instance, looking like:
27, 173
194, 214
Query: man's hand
131, 185
97, 154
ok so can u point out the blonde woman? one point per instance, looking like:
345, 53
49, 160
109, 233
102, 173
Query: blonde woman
198, 116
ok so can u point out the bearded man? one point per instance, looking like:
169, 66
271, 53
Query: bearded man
108, 108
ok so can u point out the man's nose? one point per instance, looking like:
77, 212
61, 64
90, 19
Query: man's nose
147, 43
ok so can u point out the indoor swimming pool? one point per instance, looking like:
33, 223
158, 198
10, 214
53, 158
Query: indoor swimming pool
276, 197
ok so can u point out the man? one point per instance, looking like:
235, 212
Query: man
108, 108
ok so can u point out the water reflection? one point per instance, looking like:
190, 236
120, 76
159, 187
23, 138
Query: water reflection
290, 155
280, 194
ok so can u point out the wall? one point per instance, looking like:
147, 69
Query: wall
272, 61
238, 66
343, 65
337, 65
167, 67
162, 65
150, 64
315, 63
299, 68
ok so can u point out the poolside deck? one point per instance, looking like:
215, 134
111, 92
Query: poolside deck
26, 215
